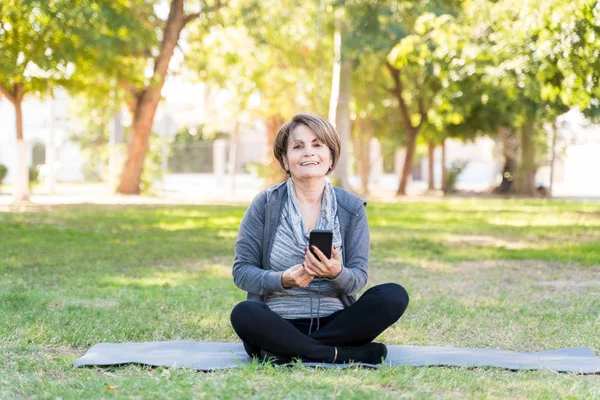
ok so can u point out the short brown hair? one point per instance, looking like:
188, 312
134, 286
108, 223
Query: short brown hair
320, 126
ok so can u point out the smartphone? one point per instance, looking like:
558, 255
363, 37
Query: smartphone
322, 239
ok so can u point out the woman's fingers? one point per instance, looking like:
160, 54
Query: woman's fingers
305, 280
311, 262
315, 264
335, 254
319, 254
293, 270
309, 269
310, 258
301, 275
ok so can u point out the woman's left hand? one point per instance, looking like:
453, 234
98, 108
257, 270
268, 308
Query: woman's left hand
326, 268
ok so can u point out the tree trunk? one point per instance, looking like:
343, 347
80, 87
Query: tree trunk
430, 163
15, 95
275, 173
337, 66
366, 157
342, 119
339, 103
408, 162
509, 150
444, 167
362, 153
50, 150
145, 102
22, 172
527, 170
411, 131
553, 158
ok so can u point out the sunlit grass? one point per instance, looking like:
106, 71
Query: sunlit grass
517, 275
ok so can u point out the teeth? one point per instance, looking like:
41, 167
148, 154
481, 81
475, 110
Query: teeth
310, 162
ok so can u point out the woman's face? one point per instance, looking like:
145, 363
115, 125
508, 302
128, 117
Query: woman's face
307, 156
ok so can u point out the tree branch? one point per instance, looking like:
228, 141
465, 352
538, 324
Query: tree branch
128, 87
173, 27
131, 105
190, 17
422, 112
397, 91
145, 53
7, 94
133, 95
19, 93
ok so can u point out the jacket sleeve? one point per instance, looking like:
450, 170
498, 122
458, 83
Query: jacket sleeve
357, 242
248, 272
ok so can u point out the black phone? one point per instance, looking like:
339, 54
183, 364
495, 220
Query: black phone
322, 239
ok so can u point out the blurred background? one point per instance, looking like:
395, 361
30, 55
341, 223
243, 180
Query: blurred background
182, 99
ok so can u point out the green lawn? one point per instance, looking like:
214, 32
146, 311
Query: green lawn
517, 275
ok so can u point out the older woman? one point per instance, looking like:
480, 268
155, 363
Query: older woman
301, 306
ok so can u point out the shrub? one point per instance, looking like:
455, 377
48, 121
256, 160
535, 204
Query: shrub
34, 177
452, 175
3, 172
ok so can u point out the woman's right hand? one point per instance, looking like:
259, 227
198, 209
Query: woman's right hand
296, 276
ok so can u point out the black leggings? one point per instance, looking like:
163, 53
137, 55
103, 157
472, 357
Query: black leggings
262, 329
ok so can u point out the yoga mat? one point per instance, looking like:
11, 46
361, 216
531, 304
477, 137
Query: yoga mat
209, 356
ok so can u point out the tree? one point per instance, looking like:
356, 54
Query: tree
517, 83
569, 50
374, 114
419, 68
283, 65
44, 44
341, 83
365, 30
144, 96
513, 40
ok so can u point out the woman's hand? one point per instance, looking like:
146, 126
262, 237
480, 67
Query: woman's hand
296, 276
326, 268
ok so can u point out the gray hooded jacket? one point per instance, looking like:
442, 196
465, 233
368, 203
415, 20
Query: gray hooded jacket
251, 270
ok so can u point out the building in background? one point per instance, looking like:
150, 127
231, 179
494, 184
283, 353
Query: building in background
45, 131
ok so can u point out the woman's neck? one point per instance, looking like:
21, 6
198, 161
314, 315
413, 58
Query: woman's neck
309, 192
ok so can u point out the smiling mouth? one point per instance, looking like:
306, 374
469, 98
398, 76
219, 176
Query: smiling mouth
304, 164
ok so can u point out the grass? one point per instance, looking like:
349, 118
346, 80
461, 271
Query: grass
517, 275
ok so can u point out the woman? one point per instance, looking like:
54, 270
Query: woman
299, 306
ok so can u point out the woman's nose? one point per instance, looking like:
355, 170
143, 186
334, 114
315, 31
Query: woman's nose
308, 150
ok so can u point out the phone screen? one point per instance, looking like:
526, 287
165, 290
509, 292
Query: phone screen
323, 240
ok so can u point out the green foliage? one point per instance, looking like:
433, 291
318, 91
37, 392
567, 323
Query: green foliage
3, 172
278, 62
48, 43
94, 114
191, 150
452, 175
258, 169
266, 172
34, 175
568, 47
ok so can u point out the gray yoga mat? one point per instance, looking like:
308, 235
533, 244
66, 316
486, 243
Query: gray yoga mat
208, 356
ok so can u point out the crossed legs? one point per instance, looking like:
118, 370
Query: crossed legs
357, 325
